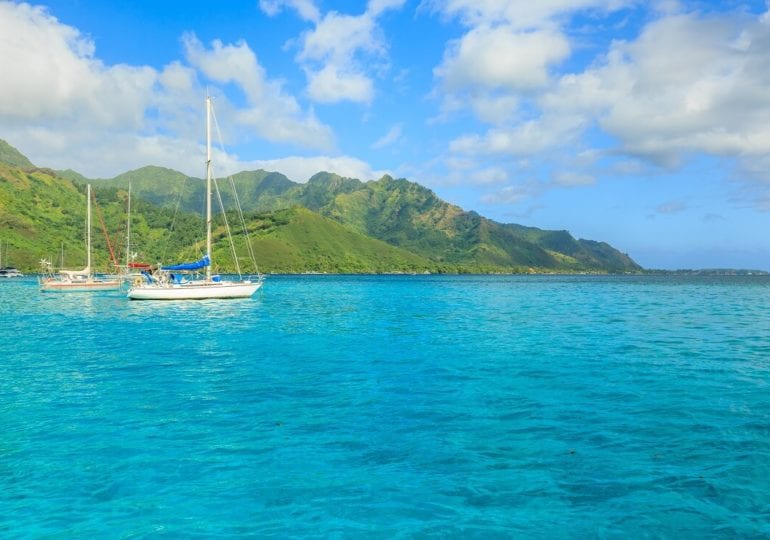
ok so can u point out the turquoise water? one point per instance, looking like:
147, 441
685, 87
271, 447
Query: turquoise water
400, 406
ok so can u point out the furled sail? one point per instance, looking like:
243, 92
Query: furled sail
204, 262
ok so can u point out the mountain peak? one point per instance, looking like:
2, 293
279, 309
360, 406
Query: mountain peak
11, 156
325, 178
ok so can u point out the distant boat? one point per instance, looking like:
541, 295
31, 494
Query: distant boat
10, 273
77, 280
175, 282
133, 270
7, 272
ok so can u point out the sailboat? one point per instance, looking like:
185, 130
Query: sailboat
78, 280
172, 283
133, 269
7, 272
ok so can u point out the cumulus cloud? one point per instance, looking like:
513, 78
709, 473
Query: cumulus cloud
501, 57
510, 49
688, 83
525, 138
341, 52
50, 73
272, 113
300, 169
65, 108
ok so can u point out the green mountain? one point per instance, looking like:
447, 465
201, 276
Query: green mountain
43, 216
10, 156
396, 212
403, 214
300, 240
40, 216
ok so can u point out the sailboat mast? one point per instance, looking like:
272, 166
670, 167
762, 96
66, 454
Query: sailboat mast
88, 228
128, 228
208, 187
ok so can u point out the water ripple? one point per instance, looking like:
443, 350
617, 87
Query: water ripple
402, 406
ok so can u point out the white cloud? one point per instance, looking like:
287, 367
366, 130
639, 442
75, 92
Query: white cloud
572, 179
393, 134
685, 87
273, 114
514, 194
306, 8
689, 83
64, 108
494, 108
300, 169
523, 139
50, 74
501, 57
489, 175
330, 85
523, 14
341, 52
377, 7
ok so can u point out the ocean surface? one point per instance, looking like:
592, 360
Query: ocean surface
390, 407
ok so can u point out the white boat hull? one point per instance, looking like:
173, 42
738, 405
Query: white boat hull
55, 285
194, 291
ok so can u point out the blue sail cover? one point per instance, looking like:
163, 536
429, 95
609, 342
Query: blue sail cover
205, 261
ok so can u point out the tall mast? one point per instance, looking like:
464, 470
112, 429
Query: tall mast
88, 228
128, 228
208, 187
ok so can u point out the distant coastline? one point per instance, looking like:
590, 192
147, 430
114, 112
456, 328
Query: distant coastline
709, 272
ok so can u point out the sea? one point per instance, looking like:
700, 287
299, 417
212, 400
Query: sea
390, 407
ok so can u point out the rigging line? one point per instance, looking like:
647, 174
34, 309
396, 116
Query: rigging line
221, 202
227, 226
104, 229
247, 236
166, 241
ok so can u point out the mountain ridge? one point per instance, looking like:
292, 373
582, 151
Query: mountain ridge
401, 213
408, 215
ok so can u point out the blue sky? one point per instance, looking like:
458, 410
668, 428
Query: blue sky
644, 124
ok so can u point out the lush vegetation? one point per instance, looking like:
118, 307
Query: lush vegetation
329, 224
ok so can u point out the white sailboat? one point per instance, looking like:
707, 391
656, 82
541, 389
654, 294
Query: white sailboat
132, 269
78, 280
7, 272
168, 284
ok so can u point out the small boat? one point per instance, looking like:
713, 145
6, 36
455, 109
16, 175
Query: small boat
7, 272
175, 282
77, 280
10, 273
132, 269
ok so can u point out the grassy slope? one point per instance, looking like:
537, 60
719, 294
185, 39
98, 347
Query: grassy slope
40, 214
299, 240
401, 213
12, 157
